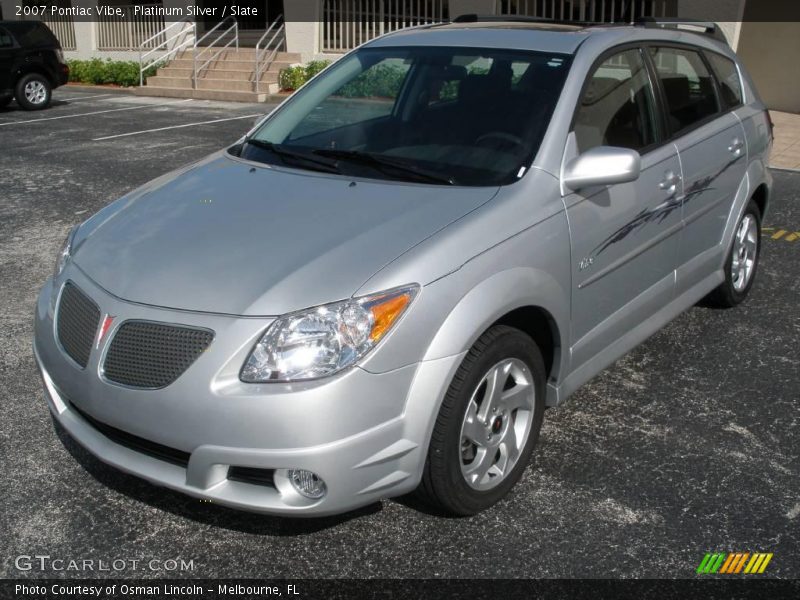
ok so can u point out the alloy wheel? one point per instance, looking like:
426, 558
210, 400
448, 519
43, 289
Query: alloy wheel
745, 249
35, 92
497, 424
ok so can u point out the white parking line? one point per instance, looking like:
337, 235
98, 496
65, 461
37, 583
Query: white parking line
119, 135
72, 99
96, 112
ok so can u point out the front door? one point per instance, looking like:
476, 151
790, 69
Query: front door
625, 236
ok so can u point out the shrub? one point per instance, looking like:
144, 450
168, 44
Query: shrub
379, 81
97, 71
314, 67
293, 78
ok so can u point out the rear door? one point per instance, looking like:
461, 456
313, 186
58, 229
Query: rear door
711, 145
624, 237
7, 53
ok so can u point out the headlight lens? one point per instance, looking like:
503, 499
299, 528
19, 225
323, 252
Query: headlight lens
64, 254
324, 340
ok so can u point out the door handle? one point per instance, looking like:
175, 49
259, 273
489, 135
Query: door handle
670, 182
736, 146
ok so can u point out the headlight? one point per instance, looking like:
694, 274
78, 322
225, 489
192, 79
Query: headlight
64, 254
324, 340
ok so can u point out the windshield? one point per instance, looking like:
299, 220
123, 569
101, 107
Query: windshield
461, 116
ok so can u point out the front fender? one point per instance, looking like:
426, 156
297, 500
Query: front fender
493, 298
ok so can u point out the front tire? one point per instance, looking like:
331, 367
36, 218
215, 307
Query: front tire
488, 424
33, 92
742, 262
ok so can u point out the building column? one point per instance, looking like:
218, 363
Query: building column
8, 9
85, 40
302, 18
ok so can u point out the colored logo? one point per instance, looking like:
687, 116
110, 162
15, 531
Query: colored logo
106, 325
745, 563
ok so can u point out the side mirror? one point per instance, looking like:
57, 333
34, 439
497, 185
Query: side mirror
604, 165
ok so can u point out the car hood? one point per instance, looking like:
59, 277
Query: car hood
227, 236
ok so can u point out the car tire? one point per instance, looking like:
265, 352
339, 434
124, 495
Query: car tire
742, 262
33, 92
464, 475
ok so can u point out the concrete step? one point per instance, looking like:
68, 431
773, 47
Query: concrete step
160, 81
242, 54
225, 84
236, 65
232, 74
220, 95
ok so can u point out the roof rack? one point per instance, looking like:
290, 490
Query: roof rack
692, 26
703, 27
473, 18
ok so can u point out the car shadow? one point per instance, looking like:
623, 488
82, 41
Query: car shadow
207, 513
13, 107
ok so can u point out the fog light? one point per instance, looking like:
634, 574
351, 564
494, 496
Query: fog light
306, 483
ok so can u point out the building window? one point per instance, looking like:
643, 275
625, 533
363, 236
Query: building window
593, 11
349, 23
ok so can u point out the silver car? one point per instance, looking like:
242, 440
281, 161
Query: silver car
380, 288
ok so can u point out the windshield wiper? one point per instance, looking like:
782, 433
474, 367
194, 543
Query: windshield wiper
382, 162
285, 154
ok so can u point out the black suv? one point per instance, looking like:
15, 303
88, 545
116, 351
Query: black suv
31, 64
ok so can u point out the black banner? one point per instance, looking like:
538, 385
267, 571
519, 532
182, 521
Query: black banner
255, 12
415, 589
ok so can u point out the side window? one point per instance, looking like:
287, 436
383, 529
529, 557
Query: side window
730, 86
688, 87
6, 41
617, 107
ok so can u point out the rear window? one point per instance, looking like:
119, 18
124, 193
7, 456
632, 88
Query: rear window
32, 34
730, 86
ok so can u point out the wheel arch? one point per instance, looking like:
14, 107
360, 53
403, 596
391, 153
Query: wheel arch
528, 299
761, 197
38, 69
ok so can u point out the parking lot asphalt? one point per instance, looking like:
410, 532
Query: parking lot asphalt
687, 445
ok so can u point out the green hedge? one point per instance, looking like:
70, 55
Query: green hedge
97, 71
293, 78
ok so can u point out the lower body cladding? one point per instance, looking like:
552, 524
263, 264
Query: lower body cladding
310, 449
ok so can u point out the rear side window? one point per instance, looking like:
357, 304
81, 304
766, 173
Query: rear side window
688, 87
730, 86
6, 41
31, 34
617, 107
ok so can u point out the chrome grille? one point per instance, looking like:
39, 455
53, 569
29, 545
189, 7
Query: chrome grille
151, 355
76, 323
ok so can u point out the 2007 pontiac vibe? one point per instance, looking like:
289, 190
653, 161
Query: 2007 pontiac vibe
382, 285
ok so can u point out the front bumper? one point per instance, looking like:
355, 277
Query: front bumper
364, 434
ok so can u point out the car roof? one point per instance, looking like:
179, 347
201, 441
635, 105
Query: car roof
541, 36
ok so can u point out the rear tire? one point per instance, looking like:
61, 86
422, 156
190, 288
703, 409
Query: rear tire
742, 262
487, 426
33, 92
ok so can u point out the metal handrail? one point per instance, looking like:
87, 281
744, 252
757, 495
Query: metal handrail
196, 54
175, 49
263, 65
